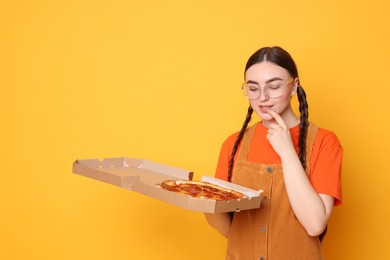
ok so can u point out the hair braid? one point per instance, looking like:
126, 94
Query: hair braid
303, 126
238, 141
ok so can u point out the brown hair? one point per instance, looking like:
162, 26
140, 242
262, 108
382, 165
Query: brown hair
282, 58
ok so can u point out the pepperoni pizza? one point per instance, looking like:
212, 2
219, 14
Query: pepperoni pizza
200, 189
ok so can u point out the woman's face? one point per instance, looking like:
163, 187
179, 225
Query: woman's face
276, 88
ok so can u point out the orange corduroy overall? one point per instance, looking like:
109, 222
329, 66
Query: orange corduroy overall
271, 232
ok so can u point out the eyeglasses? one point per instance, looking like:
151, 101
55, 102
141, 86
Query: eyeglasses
252, 90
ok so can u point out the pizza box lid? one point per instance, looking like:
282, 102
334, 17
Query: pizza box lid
143, 176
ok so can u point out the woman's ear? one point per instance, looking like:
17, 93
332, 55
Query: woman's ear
295, 86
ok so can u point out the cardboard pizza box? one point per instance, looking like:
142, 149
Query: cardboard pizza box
143, 176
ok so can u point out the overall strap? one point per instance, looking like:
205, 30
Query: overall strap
311, 136
246, 143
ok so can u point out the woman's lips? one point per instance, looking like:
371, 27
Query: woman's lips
264, 109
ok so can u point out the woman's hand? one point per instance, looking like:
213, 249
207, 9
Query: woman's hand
220, 222
279, 135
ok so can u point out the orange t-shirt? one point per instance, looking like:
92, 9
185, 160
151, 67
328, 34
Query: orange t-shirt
325, 161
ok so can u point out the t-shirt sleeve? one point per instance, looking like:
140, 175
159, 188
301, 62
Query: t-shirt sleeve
326, 164
224, 157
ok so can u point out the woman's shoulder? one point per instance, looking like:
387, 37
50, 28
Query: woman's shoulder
231, 139
327, 137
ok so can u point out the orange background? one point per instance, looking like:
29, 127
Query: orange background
160, 80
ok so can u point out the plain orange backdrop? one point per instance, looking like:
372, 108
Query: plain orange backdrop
161, 80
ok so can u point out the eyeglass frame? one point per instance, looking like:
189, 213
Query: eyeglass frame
264, 87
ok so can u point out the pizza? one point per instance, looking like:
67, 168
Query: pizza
200, 189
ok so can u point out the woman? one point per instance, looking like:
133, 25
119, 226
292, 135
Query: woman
296, 163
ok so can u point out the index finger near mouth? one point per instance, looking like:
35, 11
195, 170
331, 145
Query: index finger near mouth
277, 117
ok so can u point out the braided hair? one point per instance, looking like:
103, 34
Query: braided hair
238, 141
303, 125
282, 58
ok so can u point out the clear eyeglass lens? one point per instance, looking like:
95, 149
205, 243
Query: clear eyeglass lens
252, 91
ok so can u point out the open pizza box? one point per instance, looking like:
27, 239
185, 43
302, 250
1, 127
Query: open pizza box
143, 176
